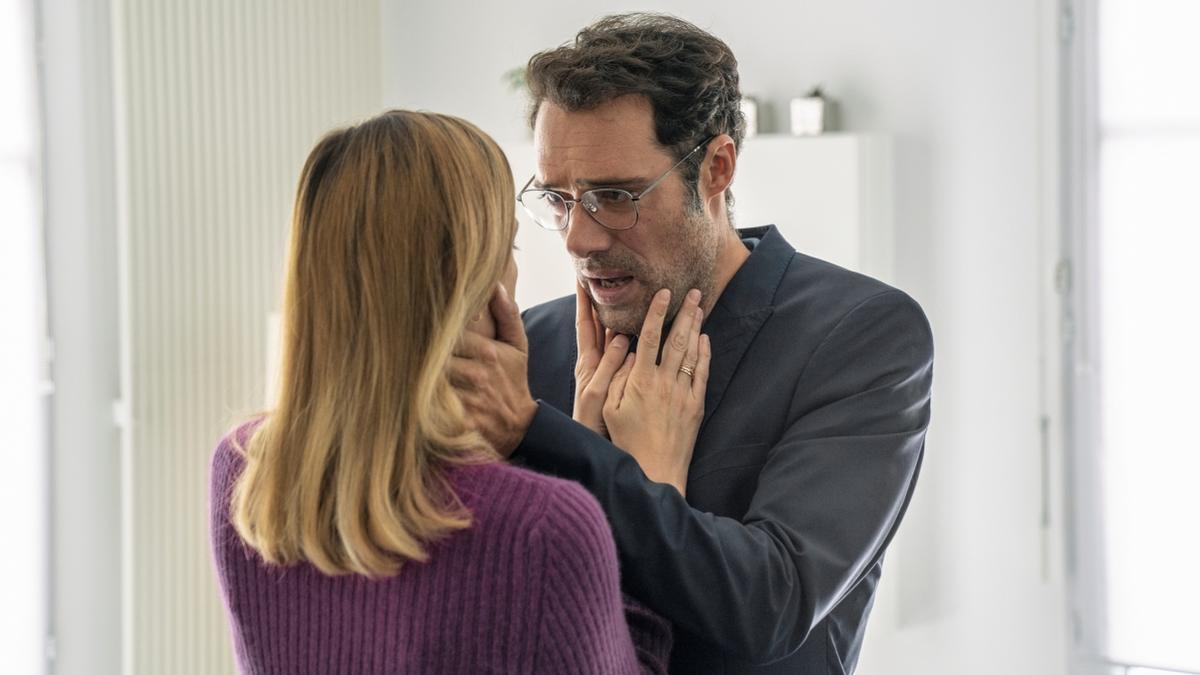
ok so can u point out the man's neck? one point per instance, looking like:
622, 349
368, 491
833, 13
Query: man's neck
729, 260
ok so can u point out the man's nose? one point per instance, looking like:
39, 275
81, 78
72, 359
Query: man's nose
583, 235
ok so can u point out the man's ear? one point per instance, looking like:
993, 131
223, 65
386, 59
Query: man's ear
716, 172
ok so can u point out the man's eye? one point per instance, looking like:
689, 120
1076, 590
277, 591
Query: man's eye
610, 197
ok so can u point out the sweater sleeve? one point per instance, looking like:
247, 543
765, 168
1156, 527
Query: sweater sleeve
651, 635
585, 625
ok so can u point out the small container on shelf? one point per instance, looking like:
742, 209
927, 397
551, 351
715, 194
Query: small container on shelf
813, 114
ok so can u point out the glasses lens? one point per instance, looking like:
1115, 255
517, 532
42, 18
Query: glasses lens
614, 209
546, 208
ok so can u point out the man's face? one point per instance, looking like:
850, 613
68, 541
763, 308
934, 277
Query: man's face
672, 246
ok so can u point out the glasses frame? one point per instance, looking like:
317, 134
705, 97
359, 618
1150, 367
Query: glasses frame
634, 197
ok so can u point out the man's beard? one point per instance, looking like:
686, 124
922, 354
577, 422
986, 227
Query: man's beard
693, 265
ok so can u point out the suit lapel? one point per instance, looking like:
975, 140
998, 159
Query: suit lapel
744, 306
730, 339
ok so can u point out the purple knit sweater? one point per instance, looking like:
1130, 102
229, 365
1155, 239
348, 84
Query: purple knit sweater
531, 587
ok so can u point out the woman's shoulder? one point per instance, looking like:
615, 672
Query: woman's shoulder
540, 501
228, 458
500, 476
564, 538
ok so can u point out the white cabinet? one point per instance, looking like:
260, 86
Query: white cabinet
830, 196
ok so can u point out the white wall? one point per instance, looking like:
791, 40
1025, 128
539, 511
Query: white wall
973, 584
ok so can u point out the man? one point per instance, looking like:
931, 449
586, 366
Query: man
818, 392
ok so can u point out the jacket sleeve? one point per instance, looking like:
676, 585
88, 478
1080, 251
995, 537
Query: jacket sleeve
828, 499
585, 625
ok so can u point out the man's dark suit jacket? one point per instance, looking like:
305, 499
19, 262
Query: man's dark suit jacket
813, 433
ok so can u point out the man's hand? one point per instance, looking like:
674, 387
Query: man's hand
492, 377
600, 353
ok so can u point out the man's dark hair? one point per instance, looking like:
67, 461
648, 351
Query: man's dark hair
689, 76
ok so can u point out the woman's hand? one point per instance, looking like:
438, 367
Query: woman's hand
491, 376
600, 354
653, 411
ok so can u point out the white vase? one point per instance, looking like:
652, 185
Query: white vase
811, 115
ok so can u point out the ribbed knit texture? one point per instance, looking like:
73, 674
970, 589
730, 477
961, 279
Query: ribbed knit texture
531, 587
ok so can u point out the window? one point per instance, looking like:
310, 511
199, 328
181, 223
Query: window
1136, 377
23, 482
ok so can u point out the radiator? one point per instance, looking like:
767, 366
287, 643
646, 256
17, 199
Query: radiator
217, 105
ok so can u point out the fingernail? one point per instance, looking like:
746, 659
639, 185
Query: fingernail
664, 295
693, 295
621, 342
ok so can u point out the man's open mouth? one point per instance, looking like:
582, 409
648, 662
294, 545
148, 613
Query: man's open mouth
613, 282
611, 288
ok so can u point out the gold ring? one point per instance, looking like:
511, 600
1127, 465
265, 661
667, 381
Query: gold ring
691, 372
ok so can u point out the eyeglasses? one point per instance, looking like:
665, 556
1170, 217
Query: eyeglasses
614, 208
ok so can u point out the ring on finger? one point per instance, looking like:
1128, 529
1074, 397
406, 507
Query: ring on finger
689, 370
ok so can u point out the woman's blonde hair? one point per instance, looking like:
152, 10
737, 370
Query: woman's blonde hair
401, 230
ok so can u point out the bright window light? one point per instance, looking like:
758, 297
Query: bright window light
1148, 61
1149, 238
23, 529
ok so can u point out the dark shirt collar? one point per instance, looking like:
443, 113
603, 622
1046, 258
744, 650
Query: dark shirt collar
753, 286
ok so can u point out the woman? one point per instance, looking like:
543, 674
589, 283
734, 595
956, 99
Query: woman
361, 525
